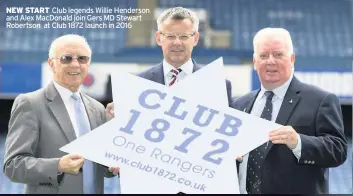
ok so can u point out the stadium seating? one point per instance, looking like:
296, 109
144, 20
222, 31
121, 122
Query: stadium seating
318, 28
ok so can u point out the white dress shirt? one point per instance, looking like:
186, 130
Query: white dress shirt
257, 109
65, 95
186, 71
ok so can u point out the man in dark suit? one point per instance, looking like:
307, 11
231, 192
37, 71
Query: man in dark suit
297, 157
177, 35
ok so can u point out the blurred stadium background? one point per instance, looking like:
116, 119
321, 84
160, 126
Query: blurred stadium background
322, 33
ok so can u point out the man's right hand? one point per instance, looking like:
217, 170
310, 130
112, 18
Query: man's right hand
70, 163
109, 111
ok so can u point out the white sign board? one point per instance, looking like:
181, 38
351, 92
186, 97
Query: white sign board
179, 139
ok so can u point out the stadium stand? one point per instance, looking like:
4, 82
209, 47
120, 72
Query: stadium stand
322, 33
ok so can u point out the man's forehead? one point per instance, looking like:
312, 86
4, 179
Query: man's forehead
72, 48
272, 44
170, 23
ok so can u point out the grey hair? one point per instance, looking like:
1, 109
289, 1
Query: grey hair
65, 39
278, 32
179, 13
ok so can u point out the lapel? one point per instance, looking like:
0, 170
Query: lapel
196, 66
90, 110
289, 103
157, 74
57, 106
250, 102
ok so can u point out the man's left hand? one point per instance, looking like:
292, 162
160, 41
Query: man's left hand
284, 135
114, 170
109, 111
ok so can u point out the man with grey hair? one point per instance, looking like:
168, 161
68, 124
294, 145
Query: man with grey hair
43, 121
177, 35
297, 156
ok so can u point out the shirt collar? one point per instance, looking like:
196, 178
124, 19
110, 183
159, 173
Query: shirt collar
64, 92
186, 67
280, 91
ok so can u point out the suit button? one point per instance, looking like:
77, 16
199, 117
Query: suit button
309, 162
305, 162
312, 162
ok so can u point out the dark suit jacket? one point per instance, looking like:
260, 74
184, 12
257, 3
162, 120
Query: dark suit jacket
316, 115
156, 74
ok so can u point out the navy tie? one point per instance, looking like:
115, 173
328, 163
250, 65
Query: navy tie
256, 156
83, 128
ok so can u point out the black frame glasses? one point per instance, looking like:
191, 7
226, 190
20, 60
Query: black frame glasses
67, 59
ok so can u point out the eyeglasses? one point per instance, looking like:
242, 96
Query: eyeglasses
67, 59
173, 36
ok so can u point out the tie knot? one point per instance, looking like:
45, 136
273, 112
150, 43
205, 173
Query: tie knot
76, 97
175, 72
269, 95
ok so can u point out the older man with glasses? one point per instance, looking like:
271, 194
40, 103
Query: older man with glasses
43, 121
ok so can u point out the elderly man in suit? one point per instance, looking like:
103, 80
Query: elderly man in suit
43, 121
177, 35
297, 157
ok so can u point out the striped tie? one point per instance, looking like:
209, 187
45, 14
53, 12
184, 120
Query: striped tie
174, 76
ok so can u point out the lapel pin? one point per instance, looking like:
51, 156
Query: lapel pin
291, 101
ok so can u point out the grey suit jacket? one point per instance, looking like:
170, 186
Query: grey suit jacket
39, 125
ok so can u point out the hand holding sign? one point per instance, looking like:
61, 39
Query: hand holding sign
168, 140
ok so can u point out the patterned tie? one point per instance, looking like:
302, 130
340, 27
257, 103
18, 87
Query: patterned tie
174, 76
256, 156
83, 128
